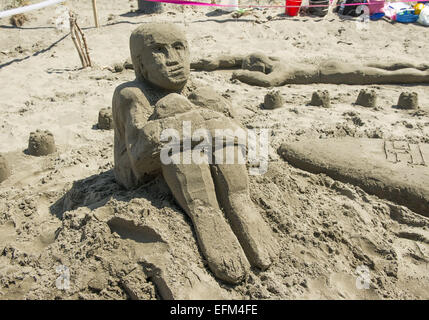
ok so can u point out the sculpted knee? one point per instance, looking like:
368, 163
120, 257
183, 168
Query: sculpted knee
171, 105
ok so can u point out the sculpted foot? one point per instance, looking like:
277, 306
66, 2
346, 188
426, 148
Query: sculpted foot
255, 236
223, 252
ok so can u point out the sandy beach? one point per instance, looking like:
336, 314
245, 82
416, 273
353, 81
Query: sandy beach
65, 210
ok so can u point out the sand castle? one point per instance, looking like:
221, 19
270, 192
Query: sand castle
320, 98
367, 98
41, 143
105, 119
273, 100
408, 100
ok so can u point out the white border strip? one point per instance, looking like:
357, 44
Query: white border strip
31, 7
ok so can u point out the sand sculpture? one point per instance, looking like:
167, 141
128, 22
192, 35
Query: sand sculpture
264, 71
367, 98
393, 170
105, 119
408, 100
41, 143
320, 98
273, 100
160, 57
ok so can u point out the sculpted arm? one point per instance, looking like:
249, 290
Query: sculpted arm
256, 69
262, 71
221, 62
131, 112
256, 78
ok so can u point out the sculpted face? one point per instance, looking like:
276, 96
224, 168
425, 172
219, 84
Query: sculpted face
160, 55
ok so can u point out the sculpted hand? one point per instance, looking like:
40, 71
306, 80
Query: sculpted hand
260, 70
254, 78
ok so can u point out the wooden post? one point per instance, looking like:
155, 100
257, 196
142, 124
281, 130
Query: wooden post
94, 8
76, 33
88, 60
76, 43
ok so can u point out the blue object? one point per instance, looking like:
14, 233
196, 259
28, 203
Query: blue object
406, 16
376, 16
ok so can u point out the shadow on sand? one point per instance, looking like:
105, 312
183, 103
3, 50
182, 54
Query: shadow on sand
97, 190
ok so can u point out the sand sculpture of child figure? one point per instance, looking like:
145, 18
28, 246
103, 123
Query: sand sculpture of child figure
261, 70
160, 57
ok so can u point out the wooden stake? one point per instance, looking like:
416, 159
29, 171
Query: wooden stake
94, 8
85, 46
76, 43
76, 33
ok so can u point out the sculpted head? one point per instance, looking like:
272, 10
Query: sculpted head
160, 55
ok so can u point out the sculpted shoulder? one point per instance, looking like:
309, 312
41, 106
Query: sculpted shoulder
128, 92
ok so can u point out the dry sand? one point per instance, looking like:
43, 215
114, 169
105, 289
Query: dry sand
66, 209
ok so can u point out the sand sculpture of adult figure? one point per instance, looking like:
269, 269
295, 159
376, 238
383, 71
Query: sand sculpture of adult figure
160, 57
264, 71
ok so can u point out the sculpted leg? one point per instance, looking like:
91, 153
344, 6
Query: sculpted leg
192, 187
215, 63
255, 236
398, 65
341, 73
254, 78
370, 75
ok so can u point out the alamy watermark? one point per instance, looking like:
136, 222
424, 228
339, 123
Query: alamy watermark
63, 280
362, 21
218, 146
364, 277
62, 21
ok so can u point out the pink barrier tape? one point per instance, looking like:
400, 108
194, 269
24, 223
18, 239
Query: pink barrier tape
197, 3
30, 7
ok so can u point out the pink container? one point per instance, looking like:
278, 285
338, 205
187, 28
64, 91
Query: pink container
376, 6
